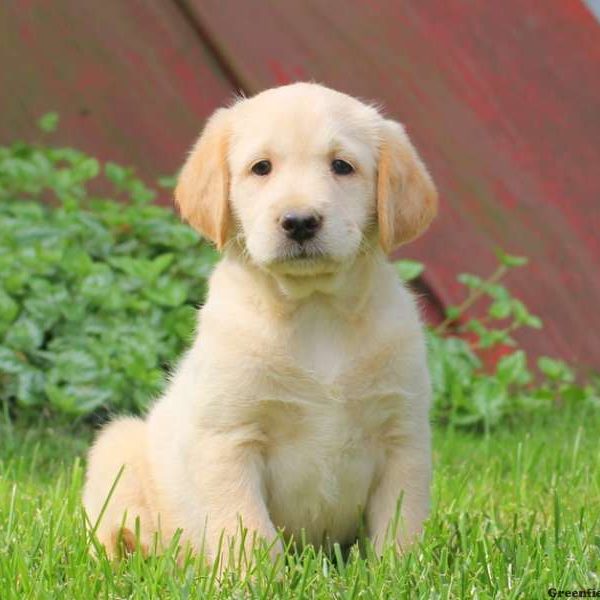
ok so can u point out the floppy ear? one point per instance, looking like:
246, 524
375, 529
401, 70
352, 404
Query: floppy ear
202, 192
406, 194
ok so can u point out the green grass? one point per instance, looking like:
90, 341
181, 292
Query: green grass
515, 513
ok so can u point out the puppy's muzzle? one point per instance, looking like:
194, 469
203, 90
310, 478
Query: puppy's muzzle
301, 226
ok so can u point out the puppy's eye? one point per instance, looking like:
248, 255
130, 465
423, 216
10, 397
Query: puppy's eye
262, 167
341, 167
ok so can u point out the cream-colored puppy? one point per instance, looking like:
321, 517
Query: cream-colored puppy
303, 401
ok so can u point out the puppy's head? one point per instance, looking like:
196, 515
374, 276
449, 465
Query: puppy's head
304, 178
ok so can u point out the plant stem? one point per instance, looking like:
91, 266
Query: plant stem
508, 330
474, 295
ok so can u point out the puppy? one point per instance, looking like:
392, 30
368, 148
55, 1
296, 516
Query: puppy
302, 405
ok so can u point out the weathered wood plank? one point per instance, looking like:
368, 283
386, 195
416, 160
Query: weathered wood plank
503, 100
131, 80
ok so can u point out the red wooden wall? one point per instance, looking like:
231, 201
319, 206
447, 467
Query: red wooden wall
131, 79
502, 99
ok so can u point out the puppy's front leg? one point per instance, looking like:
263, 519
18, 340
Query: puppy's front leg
406, 477
230, 484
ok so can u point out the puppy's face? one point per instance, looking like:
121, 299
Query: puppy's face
303, 166
299, 176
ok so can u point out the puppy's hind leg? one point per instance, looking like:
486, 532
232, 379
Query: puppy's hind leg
118, 462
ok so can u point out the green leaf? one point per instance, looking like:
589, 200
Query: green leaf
509, 260
573, 393
160, 264
519, 311
533, 322
15, 282
140, 193
46, 309
554, 369
452, 312
489, 399
9, 309
476, 326
48, 122
88, 168
168, 182
497, 291
512, 369
181, 322
77, 263
500, 309
74, 366
95, 285
170, 235
11, 361
409, 269
25, 335
471, 281
116, 173
77, 399
30, 388
167, 292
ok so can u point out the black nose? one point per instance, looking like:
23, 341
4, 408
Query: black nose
301, 226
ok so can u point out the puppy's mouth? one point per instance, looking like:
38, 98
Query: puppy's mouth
300, 253
302, 260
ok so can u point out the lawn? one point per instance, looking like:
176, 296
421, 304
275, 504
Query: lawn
515, 513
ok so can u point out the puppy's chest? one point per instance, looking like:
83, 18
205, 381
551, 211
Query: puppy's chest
337, 383
321, 463
325, 345
321, 349
326, 430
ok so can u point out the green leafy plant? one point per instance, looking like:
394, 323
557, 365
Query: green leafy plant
468, 392
97, 298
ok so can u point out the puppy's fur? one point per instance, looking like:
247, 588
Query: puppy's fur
303, 401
